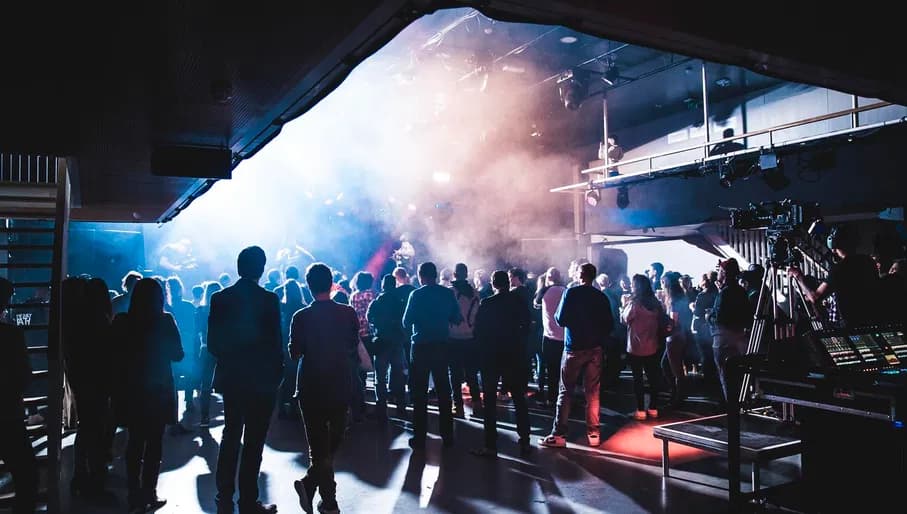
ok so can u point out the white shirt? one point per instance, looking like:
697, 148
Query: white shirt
550, 301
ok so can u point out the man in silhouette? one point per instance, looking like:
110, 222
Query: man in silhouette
15, 446
325, 335
244, 337
727, 146
501, 326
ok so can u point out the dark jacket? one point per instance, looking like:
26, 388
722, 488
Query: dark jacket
325, 336
244, 337
429, 312
733, 309
144, 392
385, 313
586, 314
15, 372
501, 325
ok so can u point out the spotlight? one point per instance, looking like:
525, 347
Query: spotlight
623, 197
573, 86
593, 197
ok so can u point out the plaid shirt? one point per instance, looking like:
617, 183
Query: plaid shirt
360, 302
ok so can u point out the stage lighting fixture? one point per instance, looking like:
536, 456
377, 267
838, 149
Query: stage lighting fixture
623, 197
593, 197
573, 86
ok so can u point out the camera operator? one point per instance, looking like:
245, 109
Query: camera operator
852, 279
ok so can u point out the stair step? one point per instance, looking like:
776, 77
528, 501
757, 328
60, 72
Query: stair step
39, 326
32, 284
40, 373
26, 265
37, 349
35, 401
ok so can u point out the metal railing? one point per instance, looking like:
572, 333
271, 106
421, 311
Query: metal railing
652, 171
29, 169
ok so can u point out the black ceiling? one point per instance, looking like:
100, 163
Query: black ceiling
107, 83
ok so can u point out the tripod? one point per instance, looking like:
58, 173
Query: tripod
767, 315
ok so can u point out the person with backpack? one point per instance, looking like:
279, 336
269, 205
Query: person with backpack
464, 352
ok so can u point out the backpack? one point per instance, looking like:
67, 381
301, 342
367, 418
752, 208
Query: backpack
469, 307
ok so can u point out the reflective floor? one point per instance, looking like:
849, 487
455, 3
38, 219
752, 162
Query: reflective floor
378, 473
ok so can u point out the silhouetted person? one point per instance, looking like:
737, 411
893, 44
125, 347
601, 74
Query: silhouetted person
547, 299
385, 314
244, 337
290, 303
360, 299
464, 353
225, 280
325, 337
120, 304
292, 273
501, 327
727, 146
206, 360
15, 445
149, 342
655, 271
404, 289
88, 364
481, 283
428, 315
184, 313
732, 315
585, 313
273, 279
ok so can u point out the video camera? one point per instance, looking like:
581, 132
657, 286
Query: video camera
784, 222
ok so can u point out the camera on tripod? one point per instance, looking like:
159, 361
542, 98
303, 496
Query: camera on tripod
784, 222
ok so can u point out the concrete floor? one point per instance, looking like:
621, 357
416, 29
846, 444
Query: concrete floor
378, 473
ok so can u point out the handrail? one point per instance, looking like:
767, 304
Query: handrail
784, 126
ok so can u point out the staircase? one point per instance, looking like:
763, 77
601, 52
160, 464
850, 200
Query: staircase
34, 215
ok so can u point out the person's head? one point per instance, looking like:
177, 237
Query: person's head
401, 276
842, 241
198, 291
728, 132
446, 276
292, 294
319, 278
129, 281
428, 273
97, 297
641, 286
273, 276
728, 271
671, 283
517, 277
147, 300
250, 264
625, 283
461, 272
898, 267
211, 288
174, 290
224, 280
686, 282
345, 286
388, 283
587, 273
656, 269
553, 277
292, 273
363, 281
6, 293
603, 281
500, 281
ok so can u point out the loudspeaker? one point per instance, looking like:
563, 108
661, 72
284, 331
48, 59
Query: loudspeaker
192, 162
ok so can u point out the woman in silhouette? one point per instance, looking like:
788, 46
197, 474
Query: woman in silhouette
150, 342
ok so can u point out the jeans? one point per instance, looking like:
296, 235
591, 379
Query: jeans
638, 364
463, 368
552, 351
17, 453
727, 343
390, 354
430, 359
248, 412
91, 445
324, 427
143, 460
572, 364
513, 373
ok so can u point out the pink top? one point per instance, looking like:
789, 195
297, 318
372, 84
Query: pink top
642, 329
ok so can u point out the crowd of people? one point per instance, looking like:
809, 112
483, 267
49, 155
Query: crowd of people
303, 345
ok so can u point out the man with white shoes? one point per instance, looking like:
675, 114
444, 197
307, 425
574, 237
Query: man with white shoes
585, 312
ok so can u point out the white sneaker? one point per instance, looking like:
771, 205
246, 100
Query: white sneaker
594, 440
640, 415
553, 441
652, 413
